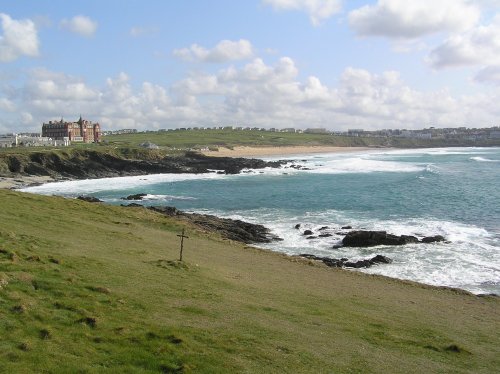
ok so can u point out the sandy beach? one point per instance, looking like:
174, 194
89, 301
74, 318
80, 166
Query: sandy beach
244, 151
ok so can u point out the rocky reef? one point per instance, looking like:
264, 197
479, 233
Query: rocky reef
344, 262
361, 238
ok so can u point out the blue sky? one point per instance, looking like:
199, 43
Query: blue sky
272, 63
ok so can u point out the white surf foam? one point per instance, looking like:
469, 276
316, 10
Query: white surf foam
167, 197
89, 186
469, 260
365, 165
483, 159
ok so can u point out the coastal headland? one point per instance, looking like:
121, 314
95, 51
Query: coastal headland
25, 168
89, 287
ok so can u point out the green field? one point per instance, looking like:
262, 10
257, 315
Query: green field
91, 288
231, 138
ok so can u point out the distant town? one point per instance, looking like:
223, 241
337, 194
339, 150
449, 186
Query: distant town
63, 133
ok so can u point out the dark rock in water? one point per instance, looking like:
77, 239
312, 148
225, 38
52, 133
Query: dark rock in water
358, 264
137, 196
323, 228
89, 199
297, 226
346, 227
167, 210
433, 239
309, 256
307, 232
337, 246
312, 237
344, 262
379, 259
325, 235
332, 262
228, 228
373, 238
487, 295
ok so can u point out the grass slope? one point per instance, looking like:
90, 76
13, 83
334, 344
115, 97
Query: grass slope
231, 138
92, 288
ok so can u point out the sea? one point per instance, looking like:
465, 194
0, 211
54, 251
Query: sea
453, 192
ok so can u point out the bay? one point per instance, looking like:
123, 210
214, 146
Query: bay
448, 191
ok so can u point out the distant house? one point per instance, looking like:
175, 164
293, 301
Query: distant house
29, 140
40, 141
148, 145
354, 132
8, 140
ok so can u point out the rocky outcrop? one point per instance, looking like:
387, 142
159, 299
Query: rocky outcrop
81, 164
228, 228
433, 239
137, 196
362, 238
344, 262
89, 199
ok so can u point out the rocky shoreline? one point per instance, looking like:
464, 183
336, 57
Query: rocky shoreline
250, 233
93, 164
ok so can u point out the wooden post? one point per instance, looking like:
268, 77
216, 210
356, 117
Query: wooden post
182, 236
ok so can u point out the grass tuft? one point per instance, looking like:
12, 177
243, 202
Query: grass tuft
45, 334
89, 321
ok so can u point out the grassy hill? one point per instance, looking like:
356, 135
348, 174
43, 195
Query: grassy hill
92, 288
231, 138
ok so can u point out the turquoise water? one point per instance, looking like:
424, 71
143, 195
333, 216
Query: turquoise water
451, 191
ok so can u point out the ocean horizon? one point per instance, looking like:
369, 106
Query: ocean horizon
451, 192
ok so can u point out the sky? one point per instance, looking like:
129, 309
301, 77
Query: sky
335, 64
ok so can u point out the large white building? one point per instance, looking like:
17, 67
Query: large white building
8, 140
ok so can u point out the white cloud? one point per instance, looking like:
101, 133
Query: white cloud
490, 74
7, 105
19, 38
487, 4
272, 96
256, 94
318, 10
81, 25
57, 86
413, 19
26, 118
225, 50
480, 46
